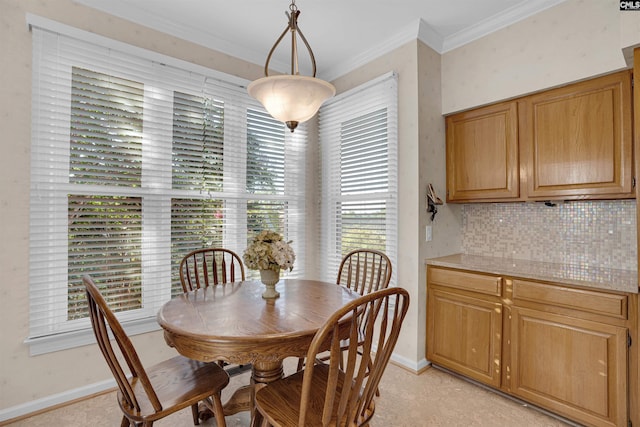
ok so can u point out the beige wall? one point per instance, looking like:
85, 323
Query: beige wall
24, 378
575, 40
421, 160
629, 31
447, 224
404, 62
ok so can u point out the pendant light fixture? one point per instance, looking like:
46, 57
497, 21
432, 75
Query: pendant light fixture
291, 98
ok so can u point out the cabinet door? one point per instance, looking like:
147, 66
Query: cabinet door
482, 154
577, 141
464, 335
574, 367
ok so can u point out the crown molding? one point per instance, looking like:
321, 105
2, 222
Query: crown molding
405, 35
418, 29
430, 37
504, 19
422, 31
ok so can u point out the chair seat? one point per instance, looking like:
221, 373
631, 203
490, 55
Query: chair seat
281, 399
342, 392
179, 383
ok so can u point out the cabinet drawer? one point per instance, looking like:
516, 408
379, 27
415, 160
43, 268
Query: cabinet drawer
579, 299
481, 283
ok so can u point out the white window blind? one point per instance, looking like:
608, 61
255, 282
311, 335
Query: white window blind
358, 138
134, 164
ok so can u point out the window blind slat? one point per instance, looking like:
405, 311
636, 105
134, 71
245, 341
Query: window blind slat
358, 138
134, 164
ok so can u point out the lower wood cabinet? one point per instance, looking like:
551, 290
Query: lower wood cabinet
476, 325
571, 366
562, 349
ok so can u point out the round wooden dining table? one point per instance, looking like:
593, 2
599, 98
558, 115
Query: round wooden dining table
233, 323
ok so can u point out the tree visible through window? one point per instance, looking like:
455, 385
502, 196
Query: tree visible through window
105, 236
364, 170
105, 150
134, 164
265, 176
358, 136
197, 157
362, 225
195, 224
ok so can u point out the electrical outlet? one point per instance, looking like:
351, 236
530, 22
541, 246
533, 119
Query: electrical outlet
428, 233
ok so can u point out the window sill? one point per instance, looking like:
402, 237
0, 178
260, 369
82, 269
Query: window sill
67, 340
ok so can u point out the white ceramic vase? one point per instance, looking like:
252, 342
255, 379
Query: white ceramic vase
269, 278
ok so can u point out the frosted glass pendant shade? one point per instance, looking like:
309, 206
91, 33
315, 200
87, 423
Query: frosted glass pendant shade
291, 99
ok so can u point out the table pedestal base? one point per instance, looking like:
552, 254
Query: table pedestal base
242, 399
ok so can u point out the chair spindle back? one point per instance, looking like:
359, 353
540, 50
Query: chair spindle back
365, 271
210, 266
352, 385
104, 322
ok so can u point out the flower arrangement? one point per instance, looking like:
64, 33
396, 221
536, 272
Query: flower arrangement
269, 251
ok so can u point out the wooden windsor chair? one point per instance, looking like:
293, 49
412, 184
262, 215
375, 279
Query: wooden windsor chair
335, 394
147, 395
210, 266
364, 271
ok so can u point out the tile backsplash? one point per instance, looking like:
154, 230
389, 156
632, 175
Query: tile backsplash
580, 233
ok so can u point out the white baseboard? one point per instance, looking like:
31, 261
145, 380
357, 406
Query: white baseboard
55, 399
411, 365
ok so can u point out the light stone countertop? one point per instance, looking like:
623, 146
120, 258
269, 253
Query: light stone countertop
585, 276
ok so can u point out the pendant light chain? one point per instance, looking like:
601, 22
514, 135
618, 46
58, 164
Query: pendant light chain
293, 27
295, 30
291, 98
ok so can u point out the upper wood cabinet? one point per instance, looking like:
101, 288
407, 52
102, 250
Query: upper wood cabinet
576, 141
573, 142
482, 154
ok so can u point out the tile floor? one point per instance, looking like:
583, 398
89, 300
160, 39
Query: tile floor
433, 398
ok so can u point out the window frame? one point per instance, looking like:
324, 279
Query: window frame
155, 190
358, 102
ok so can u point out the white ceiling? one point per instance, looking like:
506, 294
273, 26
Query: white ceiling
343, 34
